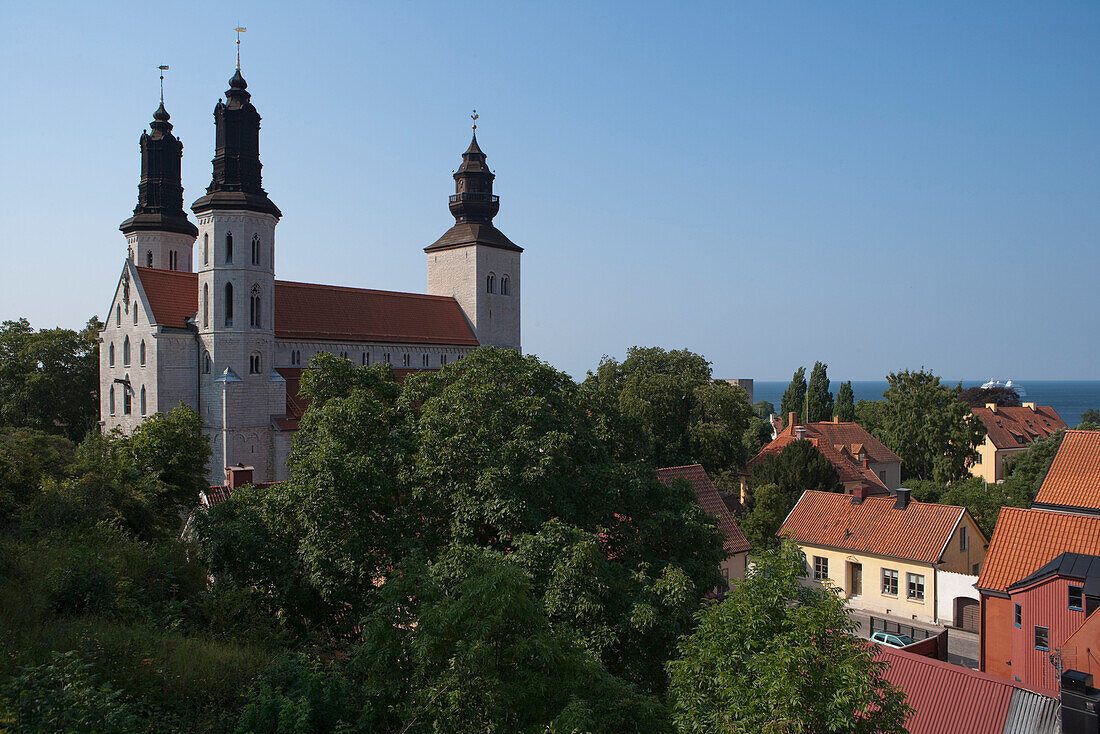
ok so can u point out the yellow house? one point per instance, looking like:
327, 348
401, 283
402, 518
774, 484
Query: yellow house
883, 553
1009, 431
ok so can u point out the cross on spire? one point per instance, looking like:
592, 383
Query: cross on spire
239, 30
163, 68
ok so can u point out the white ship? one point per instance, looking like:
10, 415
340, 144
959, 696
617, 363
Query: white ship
1018, 388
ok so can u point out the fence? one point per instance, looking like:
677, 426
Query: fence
897, 628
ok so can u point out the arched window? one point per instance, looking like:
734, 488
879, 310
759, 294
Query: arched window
254, 307
118, 314
229, 247
149, 259
491, 284
127, 403
255, 249
143, 399
228, 304
111, 400
141, 353
206, 363
126, 352
205, 305
365, 359
505, 286
254, 363
135, 312
111, 355
205, 248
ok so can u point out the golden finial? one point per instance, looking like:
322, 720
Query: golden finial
239, 30
163, 68
473, 117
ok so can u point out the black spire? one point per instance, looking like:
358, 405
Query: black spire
160, 192
474, 205
236, 183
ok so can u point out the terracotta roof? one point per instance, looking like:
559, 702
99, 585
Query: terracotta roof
1024, 540
1013, 428
919, 532
326, 312
710, 499
848, 467
847, 433
173, 296
1073, 479
936, 690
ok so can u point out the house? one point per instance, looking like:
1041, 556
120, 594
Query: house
710, 499
1009, 431
1072, 484
950, 698
884, 553
859, 458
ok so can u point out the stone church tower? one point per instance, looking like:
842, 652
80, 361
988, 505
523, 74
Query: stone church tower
235, 261
474, 262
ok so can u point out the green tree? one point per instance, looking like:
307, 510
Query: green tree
1024, 472
795, 469
925, 423
794, 397
1090, 420
845, 408
870, 414
27, 457
770, 505
49, 379
979, 397
779, 657
763, 409
819, 401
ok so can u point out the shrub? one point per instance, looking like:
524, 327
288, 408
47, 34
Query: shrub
81, 588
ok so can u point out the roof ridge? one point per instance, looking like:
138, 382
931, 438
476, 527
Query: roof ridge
354, 289
681, 466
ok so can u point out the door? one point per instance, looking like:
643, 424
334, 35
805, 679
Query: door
966, 614
855, 576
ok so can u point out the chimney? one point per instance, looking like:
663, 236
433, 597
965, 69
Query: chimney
859, 494
902, 500
1030, 406
237, 476
866, 461
800, 432
836, 419
792, 419
992, 407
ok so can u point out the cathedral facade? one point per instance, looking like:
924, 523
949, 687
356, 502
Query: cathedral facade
199, 318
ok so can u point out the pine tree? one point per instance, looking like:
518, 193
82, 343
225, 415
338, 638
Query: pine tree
819, 401
845, 406
795, 395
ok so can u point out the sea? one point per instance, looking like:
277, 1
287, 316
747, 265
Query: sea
1069, 398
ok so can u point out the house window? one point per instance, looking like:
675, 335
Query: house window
143, 399
889, 582
141, 353
491, 283
228, 304
255, 249
442, 359
425, 360
229, 247
406, 360
343, 355
254, 363
1018, 616
149, 259
821, 568
111, 400
914, 584
126, 352
978, 460
205, 305
505, 286
964, 541
254, 307
1042, 638
111, 356
1076, 598
386, 358
206, 363
127, 408
364, 359
205, 248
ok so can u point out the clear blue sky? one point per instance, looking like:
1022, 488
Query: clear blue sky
876, 185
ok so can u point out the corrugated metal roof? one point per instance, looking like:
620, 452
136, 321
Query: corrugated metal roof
919, 532
1023, 540
1073, 479
1032, 713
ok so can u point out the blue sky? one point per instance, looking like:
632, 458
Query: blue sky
876, 185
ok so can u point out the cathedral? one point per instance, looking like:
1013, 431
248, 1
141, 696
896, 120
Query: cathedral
199, 318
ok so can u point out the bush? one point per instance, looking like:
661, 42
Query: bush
81, 588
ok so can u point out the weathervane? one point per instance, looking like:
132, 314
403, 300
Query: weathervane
473, 117
239, 30
163, 68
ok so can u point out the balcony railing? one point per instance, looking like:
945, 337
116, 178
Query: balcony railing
475, 196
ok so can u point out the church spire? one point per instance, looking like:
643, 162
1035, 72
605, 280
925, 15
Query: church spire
160, 191
473, 200
236, 182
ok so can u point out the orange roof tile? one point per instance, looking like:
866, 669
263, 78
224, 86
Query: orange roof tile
1024, 540
848, 468
1073, 479
710, 499
918, 533
849, 434
1013, 428
326, 312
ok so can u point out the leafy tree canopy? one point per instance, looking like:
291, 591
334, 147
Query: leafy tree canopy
845, 408
777, 483
1090, 420
794, 397
776, 656
763, 409
819, 401
979, 397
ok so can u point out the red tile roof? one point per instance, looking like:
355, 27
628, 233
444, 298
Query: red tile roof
710, 499
948, 699
847, 433
326, 312
1014, 428
841, 456
173, 296
1073, 479
918, 533
1024, 540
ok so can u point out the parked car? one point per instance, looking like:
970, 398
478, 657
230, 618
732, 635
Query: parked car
888, 638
